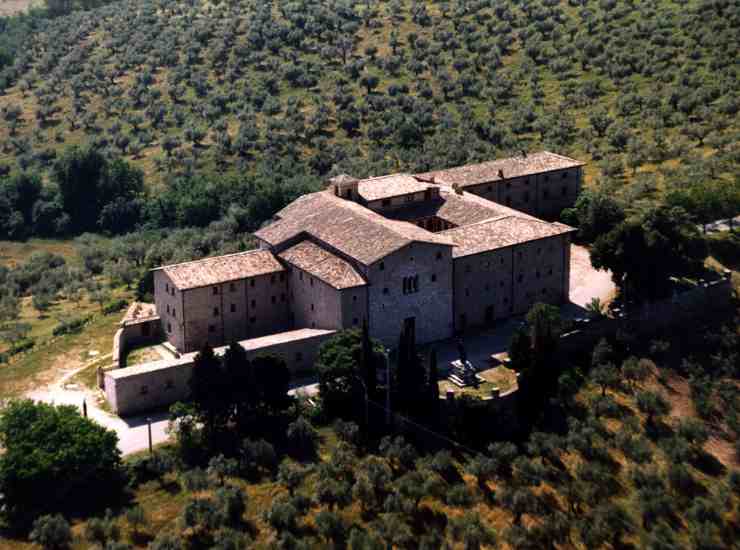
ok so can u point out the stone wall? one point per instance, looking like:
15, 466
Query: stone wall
430, 306
159, 384
127, 336
508, 281
545, 194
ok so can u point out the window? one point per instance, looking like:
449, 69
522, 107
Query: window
169, 327
467, 292
232, 287
508, 185
172, 291
310, 280
490, 188
385, 290
564, 175
311, 307
439, 255
382, 266
487, 287
386, 202
564, 191
544, 291
298, 356
313, 325
354, 298
215, 312
549, 271
409, 198
502, 260
144, 390
168, 308
355, 321
508, 201
272, 279
506, 300
300, 275
167, 288
282, 297
215, 290
520, 278
468, 268
253, 320
273, 299
169, 384
434, 277
501, 284
539, 250
427, 194
211, 328
546, 193
526, 196
526, 181
174, 312
282, 277
537, 274
233, 308
411, 259
547, 178
254, 303
251, 282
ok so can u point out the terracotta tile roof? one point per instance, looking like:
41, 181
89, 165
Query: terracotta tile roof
474, 174
221, 269
346, 226
323, 265
393, 185
501, 232
458, 209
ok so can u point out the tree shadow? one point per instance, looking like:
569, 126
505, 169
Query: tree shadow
707, 463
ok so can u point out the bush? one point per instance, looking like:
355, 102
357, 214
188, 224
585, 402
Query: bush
51, 532
303, 439
73, 326
114, 306
257, 458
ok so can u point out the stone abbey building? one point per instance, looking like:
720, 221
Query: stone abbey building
444, 251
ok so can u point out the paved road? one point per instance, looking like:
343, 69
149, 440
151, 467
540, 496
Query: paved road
586, 283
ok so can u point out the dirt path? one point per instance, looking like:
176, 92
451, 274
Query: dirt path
132, 432
679, 396
10, 7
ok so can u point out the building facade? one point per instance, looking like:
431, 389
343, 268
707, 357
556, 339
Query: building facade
443, 251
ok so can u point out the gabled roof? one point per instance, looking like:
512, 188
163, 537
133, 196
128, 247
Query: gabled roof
457, 208
221, 269
393, 185
323, 265
501, 232
354, 230
514, 167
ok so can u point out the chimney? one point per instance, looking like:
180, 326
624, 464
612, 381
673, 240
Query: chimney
344, 186
501, 173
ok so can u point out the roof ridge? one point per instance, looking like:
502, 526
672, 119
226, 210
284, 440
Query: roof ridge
206, 258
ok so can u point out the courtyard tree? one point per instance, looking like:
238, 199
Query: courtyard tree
645, 251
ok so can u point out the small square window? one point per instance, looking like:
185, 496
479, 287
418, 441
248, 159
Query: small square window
355, 321
382, 266
520, 278
169, 327
169, 384
233, 308
386, 202
298, 356
439, 255
300, 275
232, 287
409, 198
564, 175
272, 279
215, 290
282, 297
549, 271
211, 328
311, 307
282, 276
537, 274
273, 299
490, 188
385, 290
501, 284
564, 191
253, 320
172, 291
506, 300
144, 390
167, 287
434, 277
215, 312
467, 292
254, 303
354, 298
168, 308
174, 312
251, 282
547, 178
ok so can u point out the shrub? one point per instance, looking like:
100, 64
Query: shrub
195, 480
114, 306
257, 458
231, 503
51, 532
303, 439
72, 326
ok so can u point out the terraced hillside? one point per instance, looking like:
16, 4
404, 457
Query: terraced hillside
369, 87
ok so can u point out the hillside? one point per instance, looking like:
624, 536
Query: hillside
370, 87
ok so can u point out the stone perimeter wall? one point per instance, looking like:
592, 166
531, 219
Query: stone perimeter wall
163, 383
126, 336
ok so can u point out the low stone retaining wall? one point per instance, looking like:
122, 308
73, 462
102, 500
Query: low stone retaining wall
158, 384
